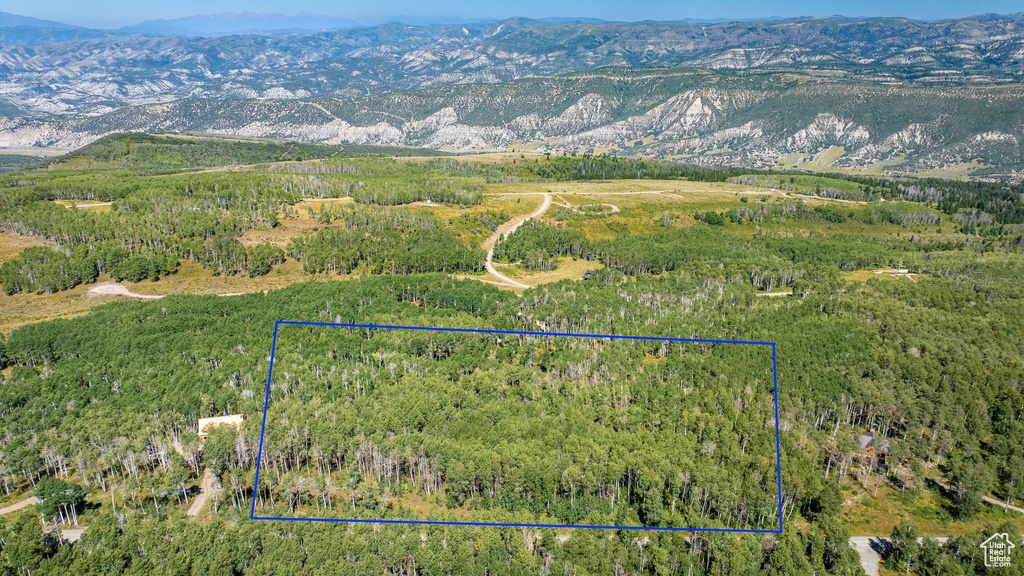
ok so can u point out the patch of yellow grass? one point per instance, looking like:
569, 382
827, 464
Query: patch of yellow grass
691, 191
316, 203
12, 244
954, 171
87, 205
642, 203
828, 156
194, 279
497, 157
822, 161
21, 309
567, 269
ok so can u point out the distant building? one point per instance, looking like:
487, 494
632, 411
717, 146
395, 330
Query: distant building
206, 423
588, 274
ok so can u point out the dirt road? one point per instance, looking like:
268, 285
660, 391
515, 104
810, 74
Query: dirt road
206, 485
773, 294
30, 501
205, 491
115, 289
112, 288
504, 230
993, 501
1001, 504
69, 534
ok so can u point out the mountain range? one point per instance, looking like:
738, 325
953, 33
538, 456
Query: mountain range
26, 30
886, 94
699, 116
96, 75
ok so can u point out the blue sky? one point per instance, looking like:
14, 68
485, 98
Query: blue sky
113, 13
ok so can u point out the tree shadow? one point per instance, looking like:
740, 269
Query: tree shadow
882, 547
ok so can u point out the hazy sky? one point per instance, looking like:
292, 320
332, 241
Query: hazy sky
114, 13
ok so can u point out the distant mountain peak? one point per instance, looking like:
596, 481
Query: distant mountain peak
8, 20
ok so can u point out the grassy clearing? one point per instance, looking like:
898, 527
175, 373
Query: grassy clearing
803, 183
490, 158
317, 203
879, 514
286, 229
21, 309
828, 156
194, 279
567, 269
643, 205
465, 222
87, 205
955, 171
817, 163
821, 160
12, 244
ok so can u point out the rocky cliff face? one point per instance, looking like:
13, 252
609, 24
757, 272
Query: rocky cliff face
828, 129
695, 116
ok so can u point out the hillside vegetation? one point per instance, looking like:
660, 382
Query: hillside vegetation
894, 306
176, 151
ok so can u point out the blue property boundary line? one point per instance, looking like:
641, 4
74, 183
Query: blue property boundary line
266, 404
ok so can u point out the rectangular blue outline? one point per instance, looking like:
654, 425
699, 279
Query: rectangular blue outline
266, 404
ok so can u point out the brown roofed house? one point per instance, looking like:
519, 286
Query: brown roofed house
206, 423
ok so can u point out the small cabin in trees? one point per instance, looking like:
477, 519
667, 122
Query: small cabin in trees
871, 442
228, 419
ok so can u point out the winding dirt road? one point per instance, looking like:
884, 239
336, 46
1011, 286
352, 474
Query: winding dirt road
504, 230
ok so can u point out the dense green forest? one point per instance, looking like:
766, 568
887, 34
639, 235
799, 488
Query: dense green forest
590, 167
573, 431
192, 356
98, 413
168, 151
385, 242
10, 162
980, 205
537, 245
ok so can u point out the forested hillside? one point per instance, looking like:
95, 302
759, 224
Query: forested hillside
144, 233
895, 306
170, 151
